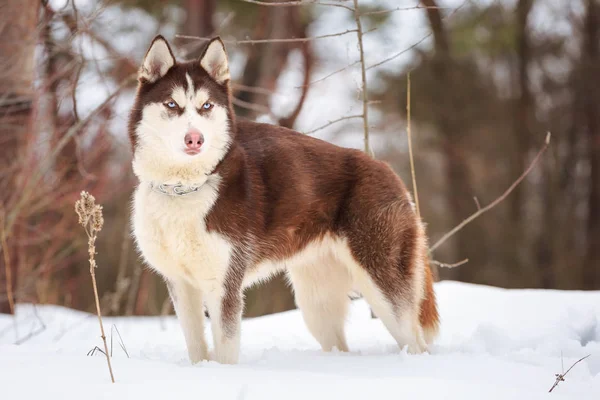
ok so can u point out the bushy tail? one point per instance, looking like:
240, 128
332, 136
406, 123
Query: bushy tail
428, 316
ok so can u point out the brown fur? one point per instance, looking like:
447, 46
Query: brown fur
428, 315
281, 190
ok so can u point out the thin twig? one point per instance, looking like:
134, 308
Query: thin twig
561, 377
297, 3
445, 265
495, 202
253, 107
410, 151
363, 71
93, 351
333, 122
400, 53
331, 74
415, 44
33, 333
75, 324
371, 66
418, 7
477, 202
74, 90
192, 47
252, 89
121, 343
262, 41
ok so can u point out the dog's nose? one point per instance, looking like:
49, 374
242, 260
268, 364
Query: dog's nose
193, 139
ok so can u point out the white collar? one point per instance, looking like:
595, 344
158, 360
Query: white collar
175, 189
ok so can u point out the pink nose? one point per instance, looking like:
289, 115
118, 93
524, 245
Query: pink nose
193, 139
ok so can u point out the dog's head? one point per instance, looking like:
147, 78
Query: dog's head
181, 125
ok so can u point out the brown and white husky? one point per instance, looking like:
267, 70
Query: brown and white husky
223, 204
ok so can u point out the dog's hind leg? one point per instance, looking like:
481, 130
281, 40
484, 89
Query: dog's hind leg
400, 317
321, 293
389, 252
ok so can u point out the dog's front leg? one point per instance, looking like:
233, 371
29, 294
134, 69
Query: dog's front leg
225, 307
187, 301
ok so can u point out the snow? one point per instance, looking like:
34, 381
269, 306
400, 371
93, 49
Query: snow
501, 344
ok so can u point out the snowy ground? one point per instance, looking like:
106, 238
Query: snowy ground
495, 343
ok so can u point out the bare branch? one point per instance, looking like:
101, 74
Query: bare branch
191, 47
400, 53
417, 43
495, 202
418, 7
74, 91
252, 89
444, 265
252, 106
331, 74
561, 377
477, 202
262, 41
335, 121
41, 328
121, 342
297, 3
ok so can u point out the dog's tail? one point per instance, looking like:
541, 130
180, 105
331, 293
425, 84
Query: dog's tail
428, 315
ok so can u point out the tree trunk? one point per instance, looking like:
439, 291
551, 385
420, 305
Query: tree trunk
18, 36
516, 256
591, 57
199, 21
266, 62
451, 127
523, 106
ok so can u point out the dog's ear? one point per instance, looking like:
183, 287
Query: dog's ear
157, 62
214, 61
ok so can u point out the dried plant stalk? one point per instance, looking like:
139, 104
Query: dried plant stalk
90, 217
410, 150
7, 266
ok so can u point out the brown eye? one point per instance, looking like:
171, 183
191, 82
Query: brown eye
207, 106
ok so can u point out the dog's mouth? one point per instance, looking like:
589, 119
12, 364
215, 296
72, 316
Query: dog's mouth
192, 152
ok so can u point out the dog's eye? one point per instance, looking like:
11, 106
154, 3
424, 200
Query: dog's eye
207, 106
171, 104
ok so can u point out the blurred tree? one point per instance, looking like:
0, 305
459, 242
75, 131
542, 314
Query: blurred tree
591, 68
487, 92
451, 124
18, 35
523, 128
199, 20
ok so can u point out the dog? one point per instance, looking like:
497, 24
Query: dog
223, 204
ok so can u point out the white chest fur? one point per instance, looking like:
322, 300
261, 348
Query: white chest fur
171, 234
